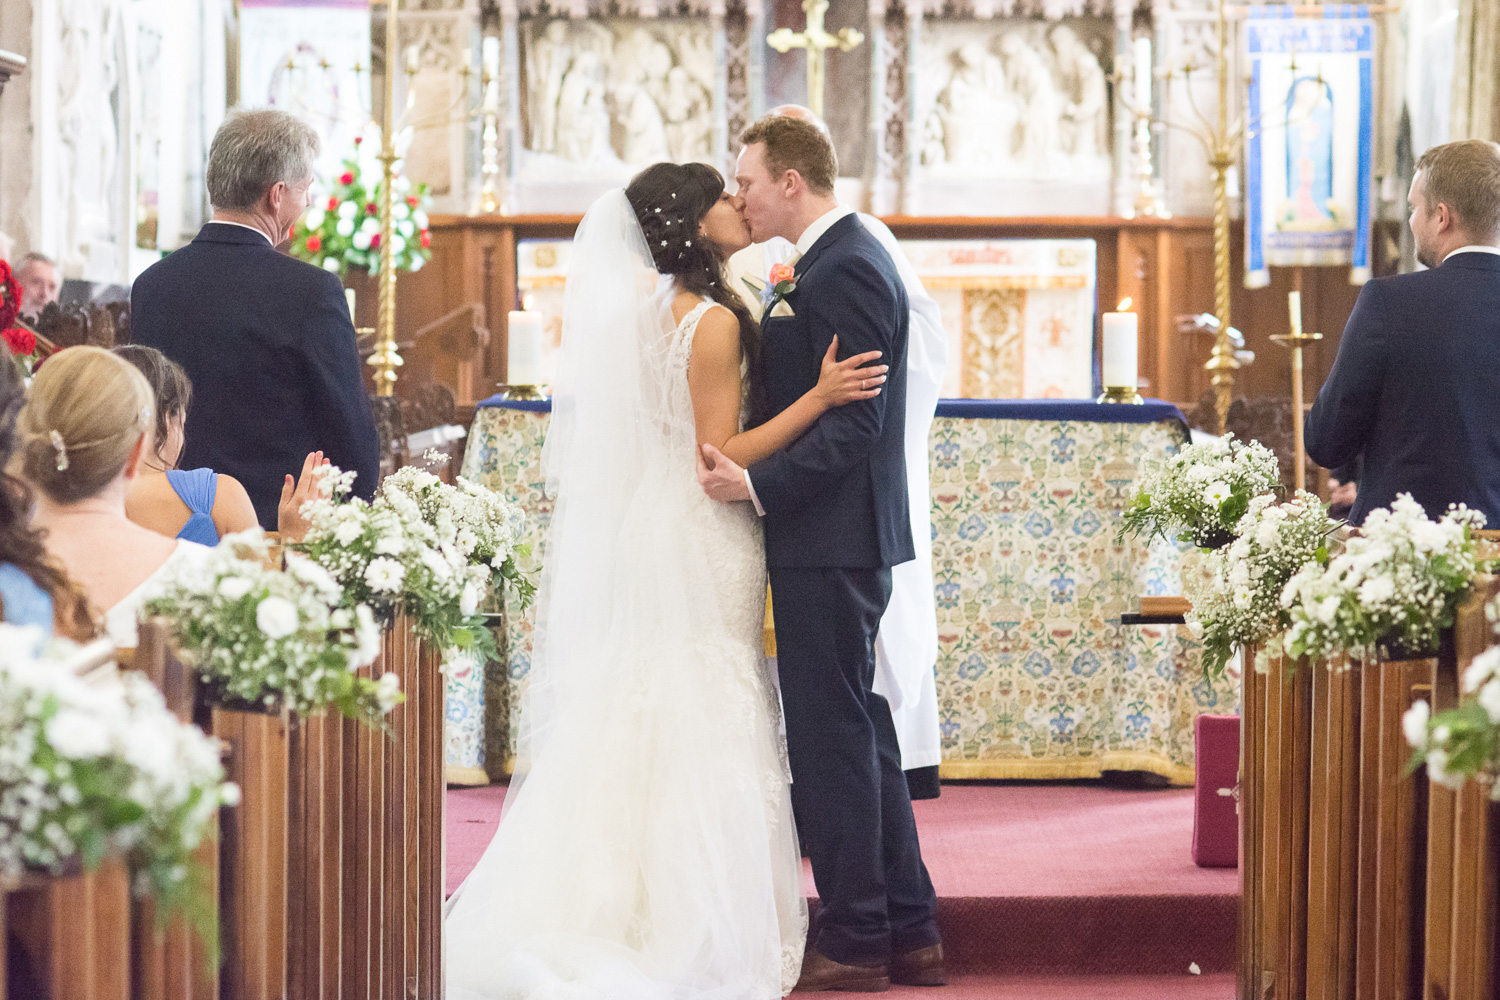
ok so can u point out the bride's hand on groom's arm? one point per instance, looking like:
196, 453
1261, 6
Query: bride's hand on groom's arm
720, 477
849, 381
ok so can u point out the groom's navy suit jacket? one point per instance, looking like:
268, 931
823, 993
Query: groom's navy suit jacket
837, 496
1414, 389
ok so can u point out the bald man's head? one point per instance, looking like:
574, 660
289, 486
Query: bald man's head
804, 114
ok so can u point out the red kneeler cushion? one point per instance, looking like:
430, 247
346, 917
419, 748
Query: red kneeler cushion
1216, 822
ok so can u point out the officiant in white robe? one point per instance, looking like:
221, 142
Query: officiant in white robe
906, 645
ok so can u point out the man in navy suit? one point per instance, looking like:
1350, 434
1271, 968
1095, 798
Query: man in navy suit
1416, 382
266, 339
834, 507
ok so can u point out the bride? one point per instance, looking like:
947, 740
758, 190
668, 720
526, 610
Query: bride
647, 850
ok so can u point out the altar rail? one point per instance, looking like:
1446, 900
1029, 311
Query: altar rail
1357, 879
327, 876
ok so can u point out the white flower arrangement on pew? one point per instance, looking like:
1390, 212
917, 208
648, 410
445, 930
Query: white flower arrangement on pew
421, 545
1237, 599
1464, 742
1201, 493
90, 769
268, 640
1397, 583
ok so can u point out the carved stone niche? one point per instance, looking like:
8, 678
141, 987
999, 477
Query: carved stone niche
602, 98
1013, 113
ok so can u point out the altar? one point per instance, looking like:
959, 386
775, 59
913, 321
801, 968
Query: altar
1036, 677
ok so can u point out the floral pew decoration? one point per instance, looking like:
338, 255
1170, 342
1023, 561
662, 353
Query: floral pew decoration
268, 640
101, 767
1392, 590
1237, 599
1462, 743
433, 549
1200, 493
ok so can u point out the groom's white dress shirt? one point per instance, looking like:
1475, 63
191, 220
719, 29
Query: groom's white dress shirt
906, 645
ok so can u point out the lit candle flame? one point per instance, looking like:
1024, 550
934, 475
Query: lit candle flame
1124, 305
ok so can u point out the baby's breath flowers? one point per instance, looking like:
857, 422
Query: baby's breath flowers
1201, 493
267, 639
93, 768
1398, 582
1237, 599
1463, 742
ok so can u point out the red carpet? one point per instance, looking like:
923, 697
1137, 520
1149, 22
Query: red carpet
1049, 879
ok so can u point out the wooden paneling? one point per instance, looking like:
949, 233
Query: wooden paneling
73, 933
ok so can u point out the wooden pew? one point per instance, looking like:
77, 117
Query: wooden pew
68, 937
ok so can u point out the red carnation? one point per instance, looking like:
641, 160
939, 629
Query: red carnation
371, 208
411, 200
346, 177
333, 204
314, 243
20, 341
375, 241
425, 239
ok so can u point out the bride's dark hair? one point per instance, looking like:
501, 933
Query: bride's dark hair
670, 200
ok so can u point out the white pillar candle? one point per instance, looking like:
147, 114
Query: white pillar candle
1294, 306
524, 349
1143, 73
1121, 346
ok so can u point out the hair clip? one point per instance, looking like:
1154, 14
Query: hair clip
61, 449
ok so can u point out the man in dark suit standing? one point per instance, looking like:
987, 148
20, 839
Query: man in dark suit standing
1416, 382
834, 507
266, 339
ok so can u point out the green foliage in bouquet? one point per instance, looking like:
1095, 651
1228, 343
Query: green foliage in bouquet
90, 769
342, 228
1462, 743
432, 549
1200, 493
264, 639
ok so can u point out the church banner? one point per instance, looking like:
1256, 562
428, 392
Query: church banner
1310, 140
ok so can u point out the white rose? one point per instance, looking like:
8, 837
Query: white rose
1414, 723
347, 532
420, 218
468, 601
229, 793
232, 588
384, 574
361, 240
1489, 700
1437, 771
371, 225
314, 219
388, 691
331, 265
398, 243
400, 210
276, 617
416, 264
77, 735
347, 210
344, 228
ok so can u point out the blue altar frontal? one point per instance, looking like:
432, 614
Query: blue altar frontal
1036, 676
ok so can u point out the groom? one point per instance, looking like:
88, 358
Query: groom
834, 507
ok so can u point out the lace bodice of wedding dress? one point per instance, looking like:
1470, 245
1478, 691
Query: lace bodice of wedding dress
649, 853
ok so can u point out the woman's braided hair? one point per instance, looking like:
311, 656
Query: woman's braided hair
670, 201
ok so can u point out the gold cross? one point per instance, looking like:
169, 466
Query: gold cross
817, 41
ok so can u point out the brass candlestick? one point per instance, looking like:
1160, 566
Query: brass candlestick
1295, 340
523, 393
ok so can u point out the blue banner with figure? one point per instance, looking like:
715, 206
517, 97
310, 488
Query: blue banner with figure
1309, 141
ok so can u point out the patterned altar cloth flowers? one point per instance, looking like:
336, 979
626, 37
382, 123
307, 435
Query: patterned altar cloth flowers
1237, 597
1397, 582
1036, 676
1202, 491
91, 768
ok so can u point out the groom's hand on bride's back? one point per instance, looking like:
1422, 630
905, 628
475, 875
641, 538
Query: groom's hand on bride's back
720, 477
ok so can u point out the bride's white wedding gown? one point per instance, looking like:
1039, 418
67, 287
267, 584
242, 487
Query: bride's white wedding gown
650, 851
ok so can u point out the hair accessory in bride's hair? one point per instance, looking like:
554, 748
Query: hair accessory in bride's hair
61, 449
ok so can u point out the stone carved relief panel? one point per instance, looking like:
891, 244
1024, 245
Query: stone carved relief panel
1023, 102
440, 149
604, 96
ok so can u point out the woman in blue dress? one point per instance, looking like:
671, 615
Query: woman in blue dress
198, 505
33, 591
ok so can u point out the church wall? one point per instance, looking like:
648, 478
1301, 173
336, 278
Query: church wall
15, 126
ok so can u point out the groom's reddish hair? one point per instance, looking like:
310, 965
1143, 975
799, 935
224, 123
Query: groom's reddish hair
794, 144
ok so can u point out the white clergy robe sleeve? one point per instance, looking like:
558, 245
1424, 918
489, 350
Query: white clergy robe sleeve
906, 646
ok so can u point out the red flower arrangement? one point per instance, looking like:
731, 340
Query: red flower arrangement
19, 340
10, 296
314, 243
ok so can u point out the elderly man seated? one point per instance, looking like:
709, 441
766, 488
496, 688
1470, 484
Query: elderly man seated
265, 339
40, 282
